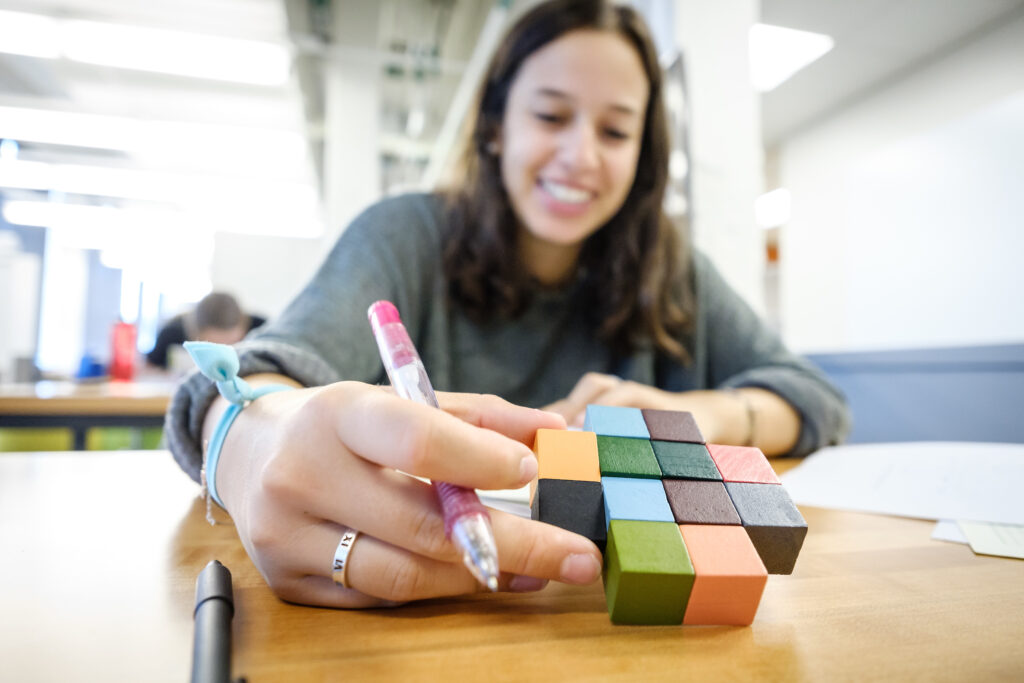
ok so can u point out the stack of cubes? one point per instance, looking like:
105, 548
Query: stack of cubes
689, 530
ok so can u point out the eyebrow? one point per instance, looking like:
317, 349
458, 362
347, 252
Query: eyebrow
558, 94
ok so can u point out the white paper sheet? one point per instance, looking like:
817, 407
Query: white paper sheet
1002, 540
516, 501
948, 530
929, 480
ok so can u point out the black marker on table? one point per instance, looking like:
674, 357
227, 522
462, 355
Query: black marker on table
211, 649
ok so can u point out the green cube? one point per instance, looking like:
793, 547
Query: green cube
648, 575
627, 457
685, 460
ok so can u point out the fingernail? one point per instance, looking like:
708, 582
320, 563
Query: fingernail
526, 584
580, 569
527, 469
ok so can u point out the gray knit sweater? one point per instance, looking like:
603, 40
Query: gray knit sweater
393, 251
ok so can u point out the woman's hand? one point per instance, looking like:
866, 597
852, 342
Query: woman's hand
609, 390
723, 417
299, 465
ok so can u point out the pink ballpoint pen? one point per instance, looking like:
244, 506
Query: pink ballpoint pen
466, 521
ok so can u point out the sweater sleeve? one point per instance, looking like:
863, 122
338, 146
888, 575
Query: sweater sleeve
744, 352
389, 252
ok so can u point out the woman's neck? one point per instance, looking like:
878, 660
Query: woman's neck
549, 263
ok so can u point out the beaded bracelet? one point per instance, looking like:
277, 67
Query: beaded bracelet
219, 363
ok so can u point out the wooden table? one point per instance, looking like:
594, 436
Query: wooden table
80, 407
99, 554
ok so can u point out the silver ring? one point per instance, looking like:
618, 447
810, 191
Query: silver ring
340, 569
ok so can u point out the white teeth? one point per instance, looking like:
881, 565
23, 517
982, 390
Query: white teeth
563, 193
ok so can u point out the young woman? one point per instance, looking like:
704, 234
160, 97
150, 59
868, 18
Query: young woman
549, 277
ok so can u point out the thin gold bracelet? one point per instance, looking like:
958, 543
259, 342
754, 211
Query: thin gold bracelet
751, 415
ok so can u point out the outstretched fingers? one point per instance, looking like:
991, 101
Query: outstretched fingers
430, 443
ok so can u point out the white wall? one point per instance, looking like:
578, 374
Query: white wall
63, 307
906, 225
727, 164
263, 273
19, 303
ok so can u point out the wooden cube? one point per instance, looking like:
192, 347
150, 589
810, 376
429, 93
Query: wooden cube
743, 463
574, 505
635, 499
672, 425
647, 573
615, 421
775, 526
679, 460
625, 457
700, 502
564, 454
730, 576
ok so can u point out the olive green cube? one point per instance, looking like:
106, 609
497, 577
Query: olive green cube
621, 456
648, 575
680, 460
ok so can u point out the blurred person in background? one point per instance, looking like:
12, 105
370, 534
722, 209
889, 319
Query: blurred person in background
216, 318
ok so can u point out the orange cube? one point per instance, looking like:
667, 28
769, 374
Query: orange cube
730, 576
565, 454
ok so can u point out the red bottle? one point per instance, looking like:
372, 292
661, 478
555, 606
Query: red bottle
122, 359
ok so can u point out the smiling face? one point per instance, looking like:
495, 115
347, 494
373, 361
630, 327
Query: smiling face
569, 144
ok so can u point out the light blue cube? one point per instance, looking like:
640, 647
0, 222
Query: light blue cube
641, 500
616, 421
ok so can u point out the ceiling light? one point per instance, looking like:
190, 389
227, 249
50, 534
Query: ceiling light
101, 227
772, 209
69, 128
9, 149
415, 122
145, 49
776, 53
193, 190
238, 145
32, 35
678, 164
173, 52
82, 218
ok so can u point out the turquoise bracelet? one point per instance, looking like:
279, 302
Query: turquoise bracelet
219, 363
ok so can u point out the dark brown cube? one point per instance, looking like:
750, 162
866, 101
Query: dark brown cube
700, 502
672, 425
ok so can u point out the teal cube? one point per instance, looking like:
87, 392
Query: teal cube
679, 460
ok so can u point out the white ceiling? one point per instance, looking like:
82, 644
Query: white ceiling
63, 84
876, 43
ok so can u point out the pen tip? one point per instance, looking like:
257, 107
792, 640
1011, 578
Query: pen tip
492, 583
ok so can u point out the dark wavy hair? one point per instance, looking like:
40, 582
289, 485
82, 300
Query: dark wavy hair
631, 266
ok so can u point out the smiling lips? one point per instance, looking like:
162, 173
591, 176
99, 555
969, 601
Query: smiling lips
564, 199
